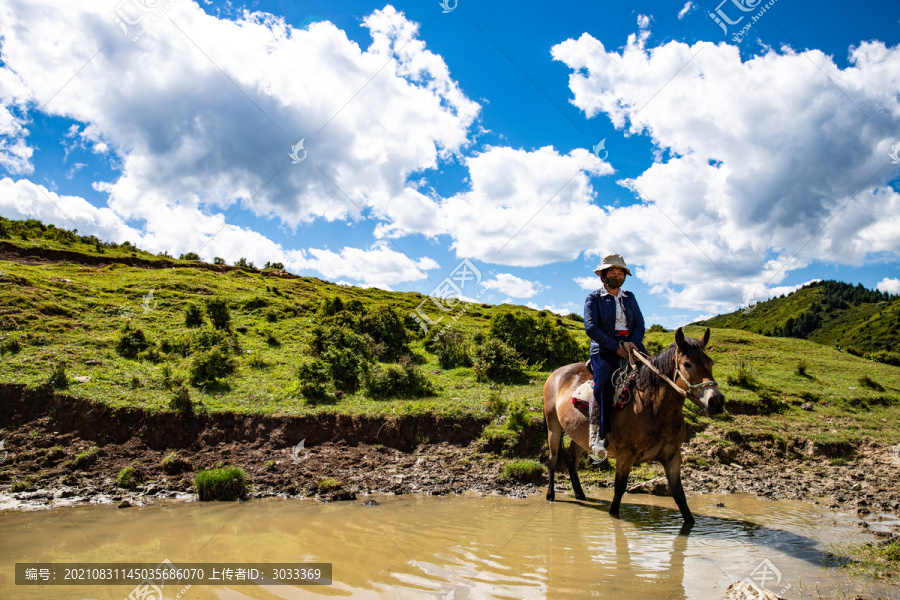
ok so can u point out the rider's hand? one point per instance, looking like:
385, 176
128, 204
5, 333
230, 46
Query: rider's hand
621, 352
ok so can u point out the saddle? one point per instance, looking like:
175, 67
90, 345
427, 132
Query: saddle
622, 380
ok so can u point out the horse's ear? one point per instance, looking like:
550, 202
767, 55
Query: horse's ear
705, 339
679, 338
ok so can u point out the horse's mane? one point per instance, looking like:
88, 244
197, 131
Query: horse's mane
664, 363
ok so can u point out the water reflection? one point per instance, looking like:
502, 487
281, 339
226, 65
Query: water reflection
445, 548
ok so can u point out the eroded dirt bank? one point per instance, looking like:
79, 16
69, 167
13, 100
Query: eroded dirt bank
46, 432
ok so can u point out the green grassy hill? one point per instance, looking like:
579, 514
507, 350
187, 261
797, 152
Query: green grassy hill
72, 324
859, 321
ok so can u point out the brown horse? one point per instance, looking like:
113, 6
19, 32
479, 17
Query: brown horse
649, 428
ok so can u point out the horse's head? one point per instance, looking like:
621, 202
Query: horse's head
694, 367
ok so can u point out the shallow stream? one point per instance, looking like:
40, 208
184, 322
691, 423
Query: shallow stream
454, 548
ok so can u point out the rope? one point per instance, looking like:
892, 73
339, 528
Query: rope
683, 392
647, 362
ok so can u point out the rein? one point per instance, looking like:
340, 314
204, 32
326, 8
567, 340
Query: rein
682, 391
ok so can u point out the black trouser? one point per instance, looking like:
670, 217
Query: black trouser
604, 364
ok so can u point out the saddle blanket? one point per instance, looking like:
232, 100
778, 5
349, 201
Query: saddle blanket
583, 394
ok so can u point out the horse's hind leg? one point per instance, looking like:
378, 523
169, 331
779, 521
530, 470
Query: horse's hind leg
554, 439
673, 475
573, 459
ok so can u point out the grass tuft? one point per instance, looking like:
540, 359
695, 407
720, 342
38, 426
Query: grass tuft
523, 470
221, 484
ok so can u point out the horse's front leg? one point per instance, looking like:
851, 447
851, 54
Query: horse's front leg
624, 462
673, 475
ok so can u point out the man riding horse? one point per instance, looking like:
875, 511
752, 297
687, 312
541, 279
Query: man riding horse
611, 317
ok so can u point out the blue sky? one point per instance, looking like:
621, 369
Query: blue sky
736, 165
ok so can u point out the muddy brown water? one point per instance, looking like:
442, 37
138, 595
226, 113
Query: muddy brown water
460, 548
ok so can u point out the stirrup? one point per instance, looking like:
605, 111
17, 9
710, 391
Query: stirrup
598, 450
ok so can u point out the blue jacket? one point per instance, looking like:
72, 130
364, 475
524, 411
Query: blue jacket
600, 320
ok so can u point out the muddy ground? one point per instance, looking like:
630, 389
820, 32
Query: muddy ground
44, 433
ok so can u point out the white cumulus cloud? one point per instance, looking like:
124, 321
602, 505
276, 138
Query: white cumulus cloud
748, 183
513, 286
891, 285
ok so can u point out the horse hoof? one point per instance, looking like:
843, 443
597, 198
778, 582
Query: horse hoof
580, 497
551, 497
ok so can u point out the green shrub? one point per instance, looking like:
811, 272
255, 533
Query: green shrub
132, 342
518, 415
189, 256
58, 379
179, 345
218, 313
331, 306
274, 265
208, 338
207, 367
657, 328
743, 376
347, 354
654, 347
801, 368
181, 401
537, 340
386, 330
398, 381
497, 361
221, 484
314, 375
193, 316
272, 315
575, 317
243, 262
218, 260
451, 347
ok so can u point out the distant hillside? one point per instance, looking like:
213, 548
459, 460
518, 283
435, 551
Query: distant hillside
858, 320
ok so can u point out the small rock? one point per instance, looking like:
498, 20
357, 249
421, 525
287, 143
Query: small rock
654, 487
739, 590
436, 371
720, 504
807, 406
370, 503
93, 361
241, 329
81, 378
124, 504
